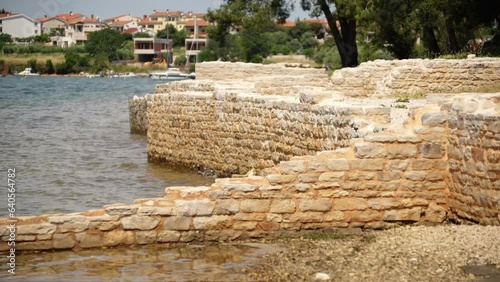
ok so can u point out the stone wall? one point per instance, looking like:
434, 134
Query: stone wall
378, 182
217, 130
442, 164
388, 78
474, 157
138, 115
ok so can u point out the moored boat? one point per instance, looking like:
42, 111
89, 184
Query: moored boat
27, 72
172, 74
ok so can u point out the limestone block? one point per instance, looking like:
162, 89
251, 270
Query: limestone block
169, 236
212, 222
34, 246
177, 223
195, 207
245, 225
308, 178
397, 165
340, 164
412, 214
26, 238
367, 164
316, 165
121, 210
334, 216
118, 237
145, 237
89, 240
384, 203
431, 151
387, 176
77, 225
415, 175
226, 207
435, 213
250, 206
189, 236
139, 222
363, 216
434, 119
269, 225
145, 210
249, 216
344, 204
243, 187
293, 167
36, 229
63, 241
304, 217
321, 205
401, 151
302, 187
283, 206
370, 150
331, 176
66, 218
276, 179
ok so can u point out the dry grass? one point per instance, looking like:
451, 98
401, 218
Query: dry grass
20, 59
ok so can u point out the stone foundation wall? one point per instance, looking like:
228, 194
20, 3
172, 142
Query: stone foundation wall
474, 157
378, 182
417, 76
431, 169
218, 130
138, 115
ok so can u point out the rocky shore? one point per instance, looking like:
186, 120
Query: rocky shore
408, 253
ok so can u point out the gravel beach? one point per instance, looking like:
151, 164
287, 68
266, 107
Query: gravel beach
408, 253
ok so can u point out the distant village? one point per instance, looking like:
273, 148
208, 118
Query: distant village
73, 28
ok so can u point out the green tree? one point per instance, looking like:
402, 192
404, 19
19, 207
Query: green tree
33, 65
180, 60
106, 41
142, 35
101, 63
49, 67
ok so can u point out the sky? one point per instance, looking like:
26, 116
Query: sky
109, 8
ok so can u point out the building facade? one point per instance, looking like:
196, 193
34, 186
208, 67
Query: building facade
19, 25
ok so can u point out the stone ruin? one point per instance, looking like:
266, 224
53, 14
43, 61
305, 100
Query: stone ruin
322, 153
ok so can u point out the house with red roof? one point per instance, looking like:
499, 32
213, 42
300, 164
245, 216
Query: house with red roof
52, 25
79, 29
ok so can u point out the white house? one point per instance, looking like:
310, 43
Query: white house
79, 29
19, 25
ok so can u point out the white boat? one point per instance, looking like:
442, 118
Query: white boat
27, 72
172, 74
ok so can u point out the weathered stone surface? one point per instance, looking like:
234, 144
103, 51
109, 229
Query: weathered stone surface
118, 237
43, 228
145, 237
283, 206
340, 164
177, 223
156, 211
121, 210
276, 179
435, 213
401, 151
334, 216
412, 214
63, 241
66, 218
434, 119
331, 176
367, 164
293, 167
195, 207
249, 216
226, 207
370, 150
431, 151
363, 216
212, 222
243, 187
139, 222
169, 236
77, 225
344, 204
384, 203
255, 205
322, 205
34, 246
89, 240
245, 225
